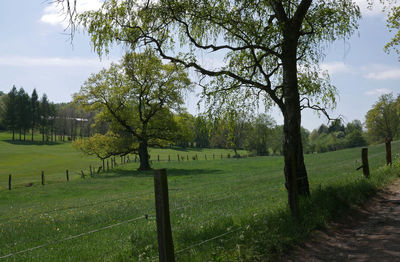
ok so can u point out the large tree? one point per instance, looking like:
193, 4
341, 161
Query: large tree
138, 97
383, 120
270, 47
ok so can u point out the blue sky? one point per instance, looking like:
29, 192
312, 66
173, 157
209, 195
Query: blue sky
35, 53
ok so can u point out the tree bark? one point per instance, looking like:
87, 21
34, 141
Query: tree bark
295, 169
144, 156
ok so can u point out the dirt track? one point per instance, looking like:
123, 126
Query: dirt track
372, 233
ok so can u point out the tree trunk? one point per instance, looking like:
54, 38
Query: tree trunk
33, 128
13, 135
144, 156
295, 170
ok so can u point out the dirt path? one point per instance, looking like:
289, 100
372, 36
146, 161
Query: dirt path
371, 234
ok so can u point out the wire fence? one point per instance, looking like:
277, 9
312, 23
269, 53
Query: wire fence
210, 199
85, 172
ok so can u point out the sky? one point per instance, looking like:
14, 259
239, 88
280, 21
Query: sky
36, 52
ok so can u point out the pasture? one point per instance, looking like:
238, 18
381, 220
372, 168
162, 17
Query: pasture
221, 210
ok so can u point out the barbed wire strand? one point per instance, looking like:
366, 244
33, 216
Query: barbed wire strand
73, 237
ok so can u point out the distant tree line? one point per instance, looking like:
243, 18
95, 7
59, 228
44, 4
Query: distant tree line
29, 117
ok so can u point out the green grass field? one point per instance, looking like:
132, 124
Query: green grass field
26, 160
221, 210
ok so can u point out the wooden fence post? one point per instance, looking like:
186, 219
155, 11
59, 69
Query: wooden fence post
187, 157
205, 156
388, 153
178, 157
365, 165
158, 157
213, 156
9, 182
165, 243
42, 178
67, 174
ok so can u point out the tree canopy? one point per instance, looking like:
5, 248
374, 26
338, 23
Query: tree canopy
383, 120
137, 97
268, 48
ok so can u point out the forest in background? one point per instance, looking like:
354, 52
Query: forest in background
26, 115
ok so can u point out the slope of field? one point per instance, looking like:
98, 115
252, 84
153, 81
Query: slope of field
213, 204
26, 160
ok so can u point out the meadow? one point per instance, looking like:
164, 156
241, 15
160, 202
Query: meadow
221, 210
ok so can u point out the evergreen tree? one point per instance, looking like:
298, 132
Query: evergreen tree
10, 111
34, 111
44, 115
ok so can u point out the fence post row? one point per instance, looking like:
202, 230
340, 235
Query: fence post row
9, 182
43, 178
165, 244
365, 165
67, 174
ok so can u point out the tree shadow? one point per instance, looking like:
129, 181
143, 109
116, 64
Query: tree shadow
171, 172
29, 143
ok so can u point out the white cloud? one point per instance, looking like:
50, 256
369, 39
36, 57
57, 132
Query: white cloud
20, 61
378, 92
382, 72
54, 14
336, 67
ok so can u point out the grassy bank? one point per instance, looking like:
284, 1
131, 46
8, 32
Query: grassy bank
221, 210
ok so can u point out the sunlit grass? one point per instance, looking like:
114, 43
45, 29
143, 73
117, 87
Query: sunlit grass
241, 200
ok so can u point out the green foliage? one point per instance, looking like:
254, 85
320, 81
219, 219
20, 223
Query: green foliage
383, 120
259, 135
137, 97
336, 137
105, 146
186, 133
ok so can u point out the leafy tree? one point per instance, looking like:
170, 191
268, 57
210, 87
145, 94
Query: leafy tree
237, 127
277, 140
265, 44
383, 120
105, 146
137, 97
202, 138
186, 132
259, 139
11, 119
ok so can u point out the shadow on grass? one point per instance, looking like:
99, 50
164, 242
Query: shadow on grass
171, 172
29, 143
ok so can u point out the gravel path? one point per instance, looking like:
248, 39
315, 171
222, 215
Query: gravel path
372, 233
